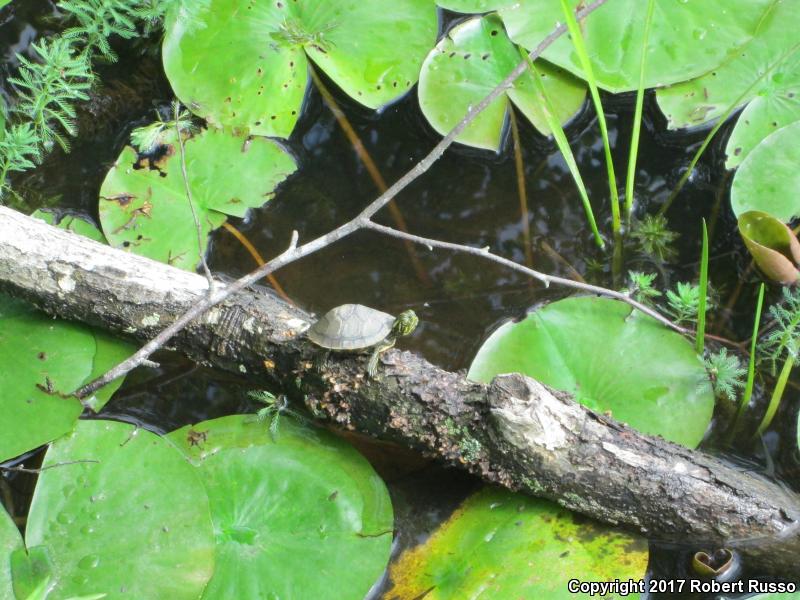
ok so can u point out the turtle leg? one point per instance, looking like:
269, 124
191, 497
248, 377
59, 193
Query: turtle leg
372, 365
320, 360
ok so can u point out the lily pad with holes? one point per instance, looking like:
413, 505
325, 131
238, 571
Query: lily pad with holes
244, 64
470, 62
611, 358
504, 545
772, 245
293, 514
768, 180
10, 541
763, 74
43, 359
687, 38
144, 205
117, 495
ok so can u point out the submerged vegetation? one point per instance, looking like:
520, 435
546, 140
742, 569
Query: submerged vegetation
221, 501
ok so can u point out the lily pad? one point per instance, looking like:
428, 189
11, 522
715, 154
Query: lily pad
123, 513
300, 516
504, 545
468, 63
10, 541
646, 375
143, 204
772, 95
768, 180
74, 223
244, 64
686, 39
772, 244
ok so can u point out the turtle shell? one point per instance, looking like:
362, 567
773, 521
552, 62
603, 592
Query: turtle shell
351, 327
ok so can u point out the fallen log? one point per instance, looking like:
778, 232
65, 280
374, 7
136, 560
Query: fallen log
514, 431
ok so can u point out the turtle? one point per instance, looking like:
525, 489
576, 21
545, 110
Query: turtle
353, 327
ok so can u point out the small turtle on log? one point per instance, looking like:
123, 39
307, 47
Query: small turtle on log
353, 327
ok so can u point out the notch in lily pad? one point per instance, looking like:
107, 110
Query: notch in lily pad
773, 246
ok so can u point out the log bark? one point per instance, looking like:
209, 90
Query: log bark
514, 431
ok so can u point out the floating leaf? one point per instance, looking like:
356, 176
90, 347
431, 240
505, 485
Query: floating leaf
244, 64
122, 513
646, 375
504, 545
772, 244
763, 73
10, 541
687, 38
768, 180
470, 62
143, 206
79, 225
300, 516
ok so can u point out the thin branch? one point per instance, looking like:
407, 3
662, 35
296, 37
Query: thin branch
21, 469
545, 279
362, 220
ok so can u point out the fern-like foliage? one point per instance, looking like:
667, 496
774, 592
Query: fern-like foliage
147, 138
641, 288
784, 336
654, 238
47, 89
684, 303
727, 374
19, 149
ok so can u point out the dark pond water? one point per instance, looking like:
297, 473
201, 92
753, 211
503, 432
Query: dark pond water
468, 196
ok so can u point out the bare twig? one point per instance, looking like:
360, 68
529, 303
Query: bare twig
176, 115
362, 220
22, 469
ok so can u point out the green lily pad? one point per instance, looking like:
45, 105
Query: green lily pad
300, 516
504, 545
143, 205
74, 223
686, 40
244, 64
646, 375
37, 353
10, 541
768, 180
468, 63
772, 95
772, 245
126, 516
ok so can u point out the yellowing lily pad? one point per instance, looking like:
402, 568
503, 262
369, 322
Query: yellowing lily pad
772, 245
611, 358
500, 545
144, 206
470, 62
297, 515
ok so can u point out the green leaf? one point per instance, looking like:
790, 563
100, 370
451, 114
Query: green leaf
37, 353
80, 225
244, 64
646, 375
687, 38
132, 522
470, 62
772, 95
144, 207
10, 541
301, 516
504, 545
772, 244
768, 180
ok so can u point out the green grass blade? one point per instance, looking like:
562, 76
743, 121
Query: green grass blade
637, 118
751, 365
720, 122
563, 145
777, 394
701, 308
580, 47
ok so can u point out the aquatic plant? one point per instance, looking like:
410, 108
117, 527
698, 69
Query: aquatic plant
653, 237
684, 302
641, 288
727, 374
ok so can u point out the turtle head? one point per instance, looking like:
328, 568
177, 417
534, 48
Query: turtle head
405, 323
